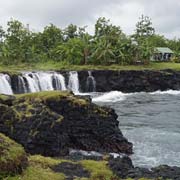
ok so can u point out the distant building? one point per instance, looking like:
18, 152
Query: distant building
162, 54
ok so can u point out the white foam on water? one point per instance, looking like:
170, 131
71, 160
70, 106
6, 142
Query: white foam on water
151, 148
113, 96
171, 92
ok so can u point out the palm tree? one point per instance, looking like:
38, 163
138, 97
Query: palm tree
103, 51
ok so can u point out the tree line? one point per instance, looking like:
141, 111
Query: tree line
74, 45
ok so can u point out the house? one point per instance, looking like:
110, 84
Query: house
162, 54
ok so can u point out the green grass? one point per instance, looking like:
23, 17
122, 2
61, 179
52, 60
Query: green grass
50, 65
98, 169
40, 169
12, 156
52, 96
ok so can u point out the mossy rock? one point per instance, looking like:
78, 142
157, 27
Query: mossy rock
13, 158
51, 123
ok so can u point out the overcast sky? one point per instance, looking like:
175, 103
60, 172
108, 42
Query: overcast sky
165, 14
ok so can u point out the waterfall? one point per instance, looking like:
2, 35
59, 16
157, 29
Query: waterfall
73, 83
5, 84
22, 88
41, 81
32, 84
59, 82
44, 81
38, 81
90, 83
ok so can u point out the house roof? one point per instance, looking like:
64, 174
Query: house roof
164, 50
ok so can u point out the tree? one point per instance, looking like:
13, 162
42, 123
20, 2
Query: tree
157, 41
71, 51
103, 52
50, 38
144, 28
2, 34
16, 34
70, 32
143, 34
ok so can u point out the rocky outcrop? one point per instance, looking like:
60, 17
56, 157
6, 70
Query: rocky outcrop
50, 123
123, 168
132, 81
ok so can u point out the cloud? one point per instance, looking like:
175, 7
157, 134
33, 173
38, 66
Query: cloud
125, 13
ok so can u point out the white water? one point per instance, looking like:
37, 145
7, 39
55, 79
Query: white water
151, 122
171, 92
41, 81
5, 85
90, 83
113, 96
73, 83
32, 83
59, 82
22, 84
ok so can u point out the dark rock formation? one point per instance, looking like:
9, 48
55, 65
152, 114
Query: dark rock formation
71, 170
108, 80
124, 168
50, 123
132, 81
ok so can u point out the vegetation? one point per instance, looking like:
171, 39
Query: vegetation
40, 168
12, 157
75, 46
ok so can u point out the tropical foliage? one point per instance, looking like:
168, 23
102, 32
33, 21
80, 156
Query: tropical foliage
74, 45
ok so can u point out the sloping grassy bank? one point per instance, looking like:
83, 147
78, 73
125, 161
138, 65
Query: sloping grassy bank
50, 65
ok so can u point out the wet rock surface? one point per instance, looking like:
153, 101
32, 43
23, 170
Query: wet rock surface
123, 168
51, 123
132, 80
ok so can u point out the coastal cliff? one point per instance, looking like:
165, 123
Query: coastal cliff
51, 123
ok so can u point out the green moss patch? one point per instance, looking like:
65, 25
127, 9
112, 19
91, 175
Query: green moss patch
13, 158
52, 96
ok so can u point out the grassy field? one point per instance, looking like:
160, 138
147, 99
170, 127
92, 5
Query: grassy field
47, 66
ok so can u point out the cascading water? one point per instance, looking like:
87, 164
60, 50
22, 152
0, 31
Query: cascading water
22, 87
73, 84
59, 82
44, 81
90, 83
38, 81
41, 81
5, 84
32, 83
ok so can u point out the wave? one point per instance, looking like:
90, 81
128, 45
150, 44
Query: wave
171, 92
113, 96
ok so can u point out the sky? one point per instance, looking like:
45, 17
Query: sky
165, 14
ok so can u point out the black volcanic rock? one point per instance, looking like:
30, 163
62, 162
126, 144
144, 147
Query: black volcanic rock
50, 123
132, 80
127, 81
71, 170
123, 168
